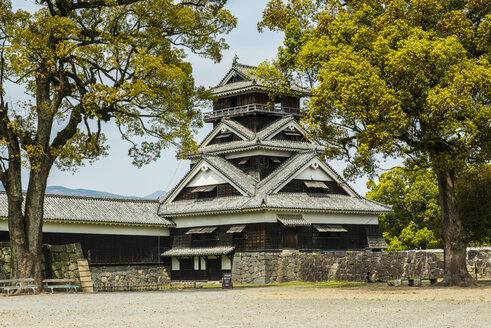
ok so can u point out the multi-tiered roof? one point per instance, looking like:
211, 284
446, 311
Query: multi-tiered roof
258, 158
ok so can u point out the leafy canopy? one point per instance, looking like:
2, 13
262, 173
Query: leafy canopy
413, 195
84, 63
415, 221
407, 78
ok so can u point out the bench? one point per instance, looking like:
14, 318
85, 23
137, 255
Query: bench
18, 284
60, 283
412, 282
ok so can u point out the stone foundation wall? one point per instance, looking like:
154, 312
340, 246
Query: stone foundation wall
5, 261
129, 275
59, 261
269, 267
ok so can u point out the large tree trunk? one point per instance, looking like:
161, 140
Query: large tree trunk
453, 234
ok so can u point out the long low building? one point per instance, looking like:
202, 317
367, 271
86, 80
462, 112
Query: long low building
111, 231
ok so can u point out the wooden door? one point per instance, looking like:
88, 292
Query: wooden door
213, 269
290, 238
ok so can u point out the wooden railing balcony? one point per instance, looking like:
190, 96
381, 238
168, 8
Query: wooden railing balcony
257, 108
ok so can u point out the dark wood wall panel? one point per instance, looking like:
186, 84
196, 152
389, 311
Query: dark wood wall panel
299, 186
114, 249
222, 190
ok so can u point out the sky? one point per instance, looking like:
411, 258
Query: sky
116, 174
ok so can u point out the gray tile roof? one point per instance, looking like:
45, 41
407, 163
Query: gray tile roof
244, 181
285, 171
246, 132
275, 126
375, 238
204, 251
255, 140
234, 126
292, 220
260, 193
251, 82
97, 209
331, 203
237, 146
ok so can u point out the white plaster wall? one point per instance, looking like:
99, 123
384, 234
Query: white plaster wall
270, 216
313, 174
98, 229
175, 264
203, 263
196, 263
226, 263
206, 178
341, 218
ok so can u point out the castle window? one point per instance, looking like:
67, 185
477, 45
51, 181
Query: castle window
206, 233
204, 192
316, 188
238, 231
328, 230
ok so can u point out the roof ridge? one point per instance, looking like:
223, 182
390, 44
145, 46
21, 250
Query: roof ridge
243, 65
233, 167
286, 118
290, 160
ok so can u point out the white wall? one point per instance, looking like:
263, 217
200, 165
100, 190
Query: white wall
94, 228
226, 263
208, 177
313, 174
270, 217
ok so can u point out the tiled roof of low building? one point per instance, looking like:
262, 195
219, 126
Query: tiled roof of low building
203, 251
97, 209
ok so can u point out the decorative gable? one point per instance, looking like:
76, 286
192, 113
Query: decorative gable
284, 129
204, 178
234, 75
225, 132
316, 177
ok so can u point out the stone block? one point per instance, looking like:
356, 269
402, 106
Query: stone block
64, 257
73, 267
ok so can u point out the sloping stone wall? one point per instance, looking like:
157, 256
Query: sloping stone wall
129, 275
59, 261
265, 267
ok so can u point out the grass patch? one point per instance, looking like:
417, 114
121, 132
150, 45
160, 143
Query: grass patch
306, 284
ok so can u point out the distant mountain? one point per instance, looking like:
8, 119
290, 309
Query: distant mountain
60, 190
155, 194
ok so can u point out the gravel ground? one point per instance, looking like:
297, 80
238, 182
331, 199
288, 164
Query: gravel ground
365, 306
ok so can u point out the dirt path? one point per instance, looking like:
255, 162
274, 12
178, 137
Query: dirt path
365, 306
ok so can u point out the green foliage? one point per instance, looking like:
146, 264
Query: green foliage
86, 63
402, 78
413, 195
415, 221
474, 204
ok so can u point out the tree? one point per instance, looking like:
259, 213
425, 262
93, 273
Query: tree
85, 63
413, 195
406, 78
415, 220
474, 203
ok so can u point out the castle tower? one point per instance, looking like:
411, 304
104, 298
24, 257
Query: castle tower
258, 184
